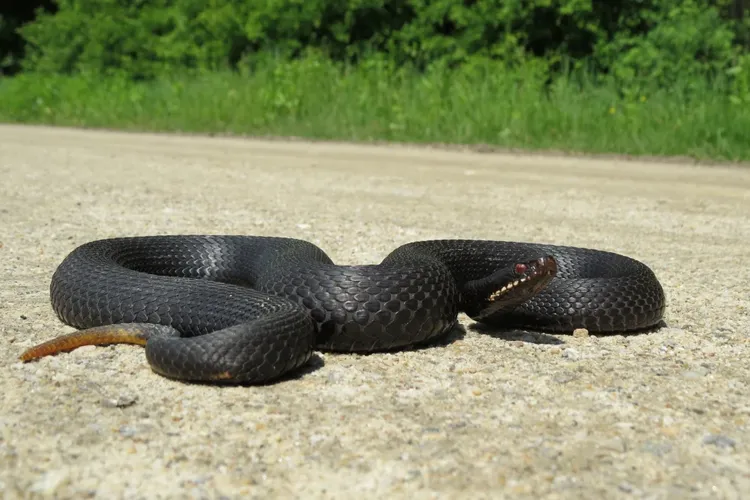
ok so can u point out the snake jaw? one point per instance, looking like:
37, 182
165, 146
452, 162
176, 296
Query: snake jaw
531, 278
508, 288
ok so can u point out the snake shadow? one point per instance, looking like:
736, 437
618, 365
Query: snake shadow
509, 334
316, 362
541, 337
457, 333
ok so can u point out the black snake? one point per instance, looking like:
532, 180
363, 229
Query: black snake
250, 308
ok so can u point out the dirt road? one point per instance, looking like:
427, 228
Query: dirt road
491, 414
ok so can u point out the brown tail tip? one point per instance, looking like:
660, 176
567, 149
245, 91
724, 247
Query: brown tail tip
102, 335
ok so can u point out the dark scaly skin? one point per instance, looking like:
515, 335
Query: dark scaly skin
258, 306
603, 292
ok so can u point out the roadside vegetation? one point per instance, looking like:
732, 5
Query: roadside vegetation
661, 77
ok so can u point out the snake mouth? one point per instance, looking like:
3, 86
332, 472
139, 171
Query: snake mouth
530, 278
509, 287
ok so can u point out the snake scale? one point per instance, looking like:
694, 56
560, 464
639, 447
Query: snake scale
249, 309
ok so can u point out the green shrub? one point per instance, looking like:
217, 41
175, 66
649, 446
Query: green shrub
481, 102
687, 40
12, 16
637, 42
739, 76
142, 39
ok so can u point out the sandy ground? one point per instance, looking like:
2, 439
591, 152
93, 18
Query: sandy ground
490, 414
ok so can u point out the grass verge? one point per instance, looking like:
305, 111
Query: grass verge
479, 104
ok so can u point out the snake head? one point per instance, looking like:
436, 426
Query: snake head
507, 288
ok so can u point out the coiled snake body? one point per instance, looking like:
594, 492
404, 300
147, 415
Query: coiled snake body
250, 309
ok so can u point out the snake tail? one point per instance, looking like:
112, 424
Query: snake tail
124, 333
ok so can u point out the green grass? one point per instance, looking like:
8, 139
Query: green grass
475, 105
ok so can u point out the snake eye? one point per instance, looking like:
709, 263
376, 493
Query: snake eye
520, 268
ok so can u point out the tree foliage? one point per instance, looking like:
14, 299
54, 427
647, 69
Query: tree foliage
12, 16
631, 40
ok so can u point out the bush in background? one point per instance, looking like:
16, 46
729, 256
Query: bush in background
13, 15
645, 42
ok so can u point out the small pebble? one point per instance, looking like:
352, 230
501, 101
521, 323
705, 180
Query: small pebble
720, 441
413, 474
564, 378
122, 401
571, 354
61, 378
615, 444
580, 332
50, 482
626, 487
656, 448
127, 431
696, 373
317, 438
624, 425
86, 351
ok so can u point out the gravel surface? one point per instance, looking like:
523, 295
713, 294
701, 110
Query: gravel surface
487, 414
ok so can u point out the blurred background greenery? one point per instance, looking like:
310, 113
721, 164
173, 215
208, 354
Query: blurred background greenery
637, 76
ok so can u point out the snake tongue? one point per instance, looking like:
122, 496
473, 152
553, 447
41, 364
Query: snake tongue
507, 288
